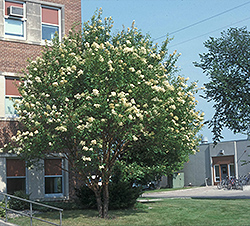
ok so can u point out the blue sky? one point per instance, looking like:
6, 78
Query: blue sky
162, 17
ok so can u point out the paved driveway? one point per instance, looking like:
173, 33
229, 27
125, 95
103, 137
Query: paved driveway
202, 192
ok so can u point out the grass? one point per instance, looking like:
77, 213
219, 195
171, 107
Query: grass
165, 212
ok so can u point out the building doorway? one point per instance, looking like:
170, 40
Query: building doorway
223, 167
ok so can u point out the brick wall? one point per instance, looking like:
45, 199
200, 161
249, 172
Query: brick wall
14, 54
13, 58
7, 130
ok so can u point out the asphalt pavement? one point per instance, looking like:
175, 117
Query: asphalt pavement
208, 192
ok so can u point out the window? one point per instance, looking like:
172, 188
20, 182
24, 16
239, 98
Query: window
50, 23
53, 176
11, 94
217, 173
231, 170
16, 175
14, 19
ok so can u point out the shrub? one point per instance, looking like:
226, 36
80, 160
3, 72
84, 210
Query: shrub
2, 211
86, 197
121, 194
17, 204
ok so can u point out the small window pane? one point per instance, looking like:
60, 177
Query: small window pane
15, 167
15, 184
14, 27
53, 166
231, 168
50, 16
217, 173
53, 185
48, 32
9, 107
11, 87
8, 4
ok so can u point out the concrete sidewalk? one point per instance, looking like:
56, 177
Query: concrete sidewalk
3, 223
201, 192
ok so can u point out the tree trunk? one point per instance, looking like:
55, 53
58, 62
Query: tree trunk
103, 206
99, 203
105, 200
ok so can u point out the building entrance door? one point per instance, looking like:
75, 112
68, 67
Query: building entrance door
223, 167
224, 171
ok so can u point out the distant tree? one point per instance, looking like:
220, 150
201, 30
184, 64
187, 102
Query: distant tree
227, 64
99, 99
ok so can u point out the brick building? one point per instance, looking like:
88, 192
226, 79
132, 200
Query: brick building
24, 27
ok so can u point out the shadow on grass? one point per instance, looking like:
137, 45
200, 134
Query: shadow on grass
82, 217
92, 213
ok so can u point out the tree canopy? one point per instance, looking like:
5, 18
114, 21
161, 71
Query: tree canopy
100, 98
226, 63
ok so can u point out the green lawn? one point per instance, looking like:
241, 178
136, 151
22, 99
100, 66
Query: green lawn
165, 212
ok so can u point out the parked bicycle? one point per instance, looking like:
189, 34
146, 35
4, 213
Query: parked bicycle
223, 184
234, 183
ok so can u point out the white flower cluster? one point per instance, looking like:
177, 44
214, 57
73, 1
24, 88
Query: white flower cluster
128, 50
158, 88
96, 92
84, 158
61, 128
84, 126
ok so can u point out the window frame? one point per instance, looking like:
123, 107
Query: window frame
231, 173
16, 177
50, 195
217, 177
7, 96
22, 19
59, 10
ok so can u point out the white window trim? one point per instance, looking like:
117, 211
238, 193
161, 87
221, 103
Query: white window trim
24, 19
229, 169
59, 22
10, 116
55, 195
216, 177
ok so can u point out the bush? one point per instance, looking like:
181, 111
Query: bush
121, 194
86, 197
17, 204
2, 211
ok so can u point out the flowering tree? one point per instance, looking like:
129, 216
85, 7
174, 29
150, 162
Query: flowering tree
99, 98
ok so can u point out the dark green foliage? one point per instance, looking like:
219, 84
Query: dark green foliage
17, 204
227, 65
121, 193
86, 197
121, 196
2, 211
